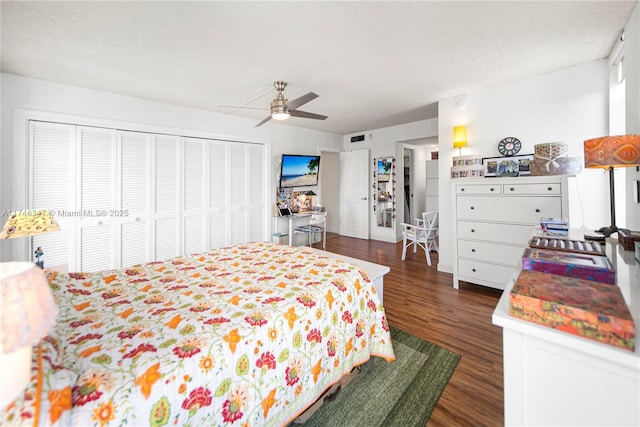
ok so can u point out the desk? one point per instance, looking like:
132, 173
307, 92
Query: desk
555, 378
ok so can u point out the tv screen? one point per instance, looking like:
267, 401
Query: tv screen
299, 171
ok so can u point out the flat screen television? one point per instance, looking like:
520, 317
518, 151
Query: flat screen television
299, 171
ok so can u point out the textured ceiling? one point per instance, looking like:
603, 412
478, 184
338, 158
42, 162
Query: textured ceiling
374, 64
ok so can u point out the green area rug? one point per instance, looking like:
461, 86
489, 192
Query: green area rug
400, 393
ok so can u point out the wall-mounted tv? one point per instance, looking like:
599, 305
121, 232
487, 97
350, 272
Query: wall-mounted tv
299, 171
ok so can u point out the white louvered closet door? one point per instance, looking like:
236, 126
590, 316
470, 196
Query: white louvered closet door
125, 197
52, 148
98, 227
238, 192
193, 190
218, 194
135, 189
257, 214
166, 194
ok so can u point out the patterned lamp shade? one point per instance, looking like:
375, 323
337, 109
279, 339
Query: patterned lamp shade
612, 151
459, 136
27, 313
28, 223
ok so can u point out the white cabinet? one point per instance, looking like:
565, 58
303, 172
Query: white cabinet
554, 378
493, 223
431, 187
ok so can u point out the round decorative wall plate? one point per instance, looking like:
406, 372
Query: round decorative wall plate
509, 146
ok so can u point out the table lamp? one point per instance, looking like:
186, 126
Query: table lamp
27, 312
459, 137
609, 152
30, 223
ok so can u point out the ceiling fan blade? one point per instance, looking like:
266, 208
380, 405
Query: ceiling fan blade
298, 102
264, 121
306, 115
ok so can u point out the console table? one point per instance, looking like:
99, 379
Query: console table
554, 378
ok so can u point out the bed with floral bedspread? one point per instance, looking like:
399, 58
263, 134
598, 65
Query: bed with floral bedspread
247, 335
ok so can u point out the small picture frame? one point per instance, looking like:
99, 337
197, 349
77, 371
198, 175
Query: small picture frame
510, 166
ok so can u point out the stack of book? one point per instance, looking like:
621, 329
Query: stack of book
555, 226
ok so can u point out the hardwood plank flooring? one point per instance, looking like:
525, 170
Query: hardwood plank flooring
420, 300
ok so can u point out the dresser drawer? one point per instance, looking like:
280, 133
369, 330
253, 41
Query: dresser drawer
494, 252
495, 232
479, 189
477, 270
532, 189
522, 210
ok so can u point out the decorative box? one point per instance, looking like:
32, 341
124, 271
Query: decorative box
595, 268
580, 307
550, 150
559, 166
627, 237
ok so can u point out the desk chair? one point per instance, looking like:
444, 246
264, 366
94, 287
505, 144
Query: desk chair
422, 234
317, 225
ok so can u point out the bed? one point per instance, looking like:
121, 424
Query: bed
245, 335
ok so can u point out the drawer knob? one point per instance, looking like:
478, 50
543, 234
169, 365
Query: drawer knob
473, 250
512, 189
492, 189
472, 208
473, 230
538, 210
462, 189
473, 269
549, 188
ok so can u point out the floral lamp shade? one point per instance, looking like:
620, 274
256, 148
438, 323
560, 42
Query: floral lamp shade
612, 151
28, 223
27, 313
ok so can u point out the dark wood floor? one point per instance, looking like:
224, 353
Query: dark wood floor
420, 300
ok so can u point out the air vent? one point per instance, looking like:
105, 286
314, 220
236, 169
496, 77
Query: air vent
357, 138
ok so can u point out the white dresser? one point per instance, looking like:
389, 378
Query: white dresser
493, 223
554, 378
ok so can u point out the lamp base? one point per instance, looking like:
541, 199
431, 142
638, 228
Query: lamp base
607, 231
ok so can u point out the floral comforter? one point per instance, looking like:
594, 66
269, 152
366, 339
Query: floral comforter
248, 335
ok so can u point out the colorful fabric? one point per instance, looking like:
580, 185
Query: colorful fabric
247, 335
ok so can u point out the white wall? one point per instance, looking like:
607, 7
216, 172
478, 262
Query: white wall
32, 94
568, 105
389, 142
632, 96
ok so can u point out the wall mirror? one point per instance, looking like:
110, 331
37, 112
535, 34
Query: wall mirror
384, 191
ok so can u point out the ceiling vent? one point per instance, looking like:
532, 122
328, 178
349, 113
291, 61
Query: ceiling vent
357, 138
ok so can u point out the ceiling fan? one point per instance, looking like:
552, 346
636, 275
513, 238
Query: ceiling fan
282, 109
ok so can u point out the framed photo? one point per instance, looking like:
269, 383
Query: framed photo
511, 166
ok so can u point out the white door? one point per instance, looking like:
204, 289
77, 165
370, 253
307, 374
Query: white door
354, 193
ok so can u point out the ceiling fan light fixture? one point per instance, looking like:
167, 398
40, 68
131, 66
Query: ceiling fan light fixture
279, 110
280, 116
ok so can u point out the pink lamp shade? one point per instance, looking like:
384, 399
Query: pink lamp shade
27, 313
612, 151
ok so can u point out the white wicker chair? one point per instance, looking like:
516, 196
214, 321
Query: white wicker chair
422, 234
